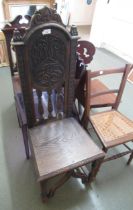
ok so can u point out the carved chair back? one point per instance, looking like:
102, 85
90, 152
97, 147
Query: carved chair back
85, 53
8, 32
86, 50
46, 59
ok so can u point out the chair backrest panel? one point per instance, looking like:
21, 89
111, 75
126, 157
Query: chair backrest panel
47, 63
124, 71
48, 58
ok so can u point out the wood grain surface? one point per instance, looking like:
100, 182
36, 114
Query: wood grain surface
60, 146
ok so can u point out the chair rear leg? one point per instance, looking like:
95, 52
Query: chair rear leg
130, 159
25, 139
79, 108
18, 121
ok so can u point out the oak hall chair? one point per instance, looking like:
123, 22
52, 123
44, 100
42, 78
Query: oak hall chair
46, 60
112, 127
8, 32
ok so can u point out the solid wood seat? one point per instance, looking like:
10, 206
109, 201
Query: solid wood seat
113, 127
68, 147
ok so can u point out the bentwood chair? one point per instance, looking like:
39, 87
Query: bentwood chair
111, 127
46, 60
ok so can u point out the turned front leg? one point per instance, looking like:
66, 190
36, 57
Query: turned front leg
94, 169
43, 185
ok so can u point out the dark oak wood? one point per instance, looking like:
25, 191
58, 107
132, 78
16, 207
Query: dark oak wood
46, 61
8, 32
85, 53
86, 50
112, 127
70, 149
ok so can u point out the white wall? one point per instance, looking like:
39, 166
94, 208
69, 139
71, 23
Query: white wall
119, 34
81, 13
63, 8
100, 20
112, 27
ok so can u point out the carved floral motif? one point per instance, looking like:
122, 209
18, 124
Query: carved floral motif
47, 61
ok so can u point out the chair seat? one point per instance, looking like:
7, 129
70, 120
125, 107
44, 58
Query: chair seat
112, 127
60, 146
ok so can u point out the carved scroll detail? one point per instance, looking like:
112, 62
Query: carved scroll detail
45, 15
15, 23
